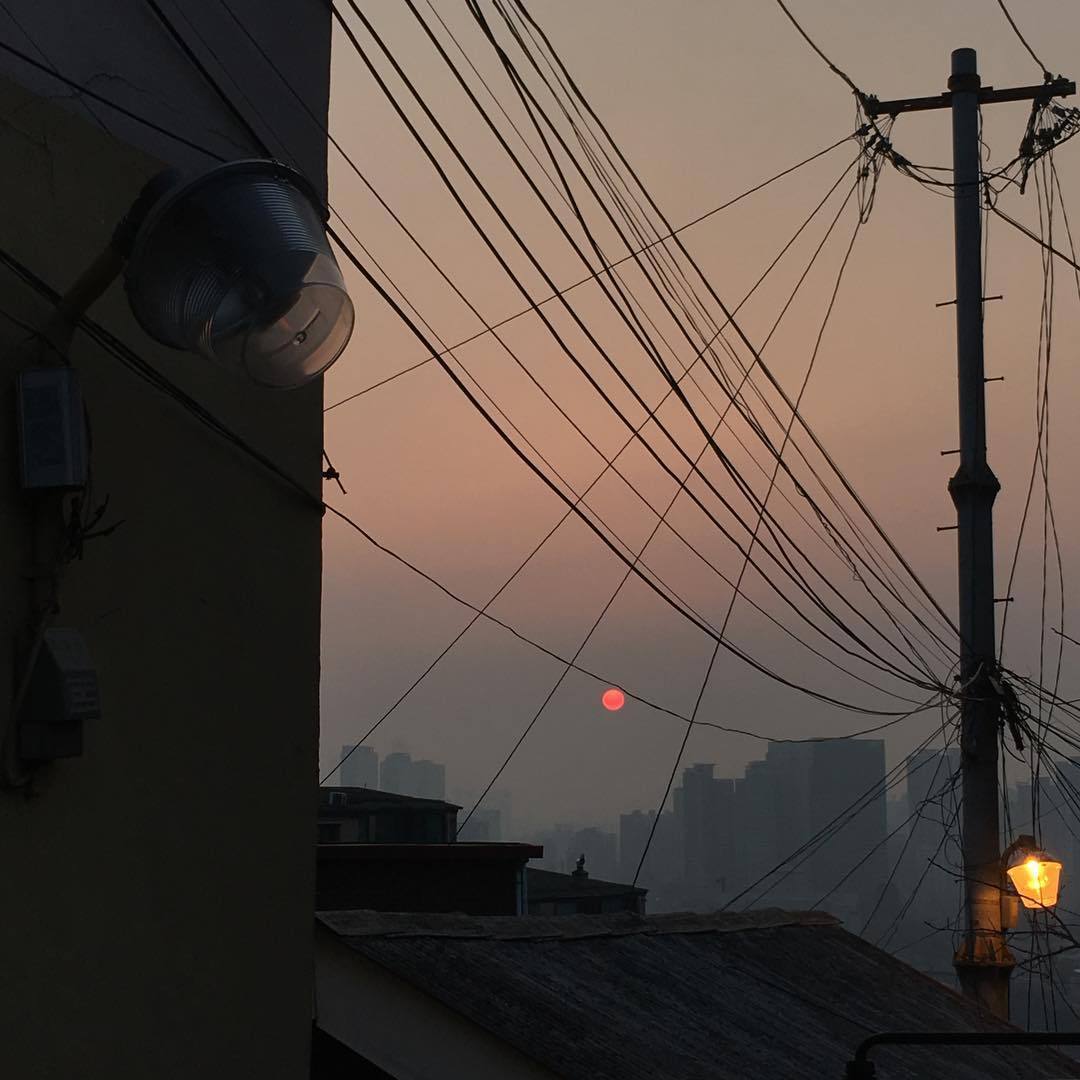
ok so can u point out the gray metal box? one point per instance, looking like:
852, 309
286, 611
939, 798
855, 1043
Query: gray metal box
52, 429
61, 697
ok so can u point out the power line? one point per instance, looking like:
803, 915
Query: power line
828, 63
525, 249
522, 91
660, 520
254, 42
85, 90
505, 12
592, 526
591, 277
588, 636
930, 796
840, 821
351, 162
742, 336
505, 16
746, 560
584, 643
1023, 41
243, 120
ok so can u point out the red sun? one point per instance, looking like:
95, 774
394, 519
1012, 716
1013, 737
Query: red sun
613, 700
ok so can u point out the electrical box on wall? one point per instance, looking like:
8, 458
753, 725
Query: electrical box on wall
52, 429
62, 695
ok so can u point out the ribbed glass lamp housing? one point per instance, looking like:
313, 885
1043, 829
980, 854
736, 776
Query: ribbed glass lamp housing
236, 265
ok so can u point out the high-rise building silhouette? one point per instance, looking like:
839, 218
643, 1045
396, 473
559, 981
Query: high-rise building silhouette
359, 767
484, 825
847, 794
427, 779
665, 861
395, 773
708, 819
734, 832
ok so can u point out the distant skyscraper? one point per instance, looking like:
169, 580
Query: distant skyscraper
395, 774
484, 826
756, 841
359, 768
634, 832
790, 771
664, 861
926, 880
931, 773
847, 781
708, 817
428, 780
501, 799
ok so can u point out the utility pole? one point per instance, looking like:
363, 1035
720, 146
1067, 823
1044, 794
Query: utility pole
983, 962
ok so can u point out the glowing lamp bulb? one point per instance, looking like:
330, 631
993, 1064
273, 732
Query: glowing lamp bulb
1036, 877
613, 699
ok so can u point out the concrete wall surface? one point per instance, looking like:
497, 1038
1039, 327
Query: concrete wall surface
157, 892
123, 51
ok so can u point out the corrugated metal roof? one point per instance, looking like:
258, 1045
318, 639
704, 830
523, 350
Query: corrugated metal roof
621, 997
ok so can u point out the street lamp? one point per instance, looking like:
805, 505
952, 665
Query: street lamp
235, 265
1034, 873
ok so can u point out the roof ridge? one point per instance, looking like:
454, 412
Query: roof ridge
367, 924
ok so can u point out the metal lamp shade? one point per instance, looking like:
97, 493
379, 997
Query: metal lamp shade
235, 265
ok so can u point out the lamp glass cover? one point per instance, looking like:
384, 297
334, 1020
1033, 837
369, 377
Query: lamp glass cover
235, 265
1036, 876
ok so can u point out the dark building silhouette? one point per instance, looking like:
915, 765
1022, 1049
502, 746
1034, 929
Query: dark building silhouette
359, 767
395, 773
383, 851
663, 867
366, 816
427, 780
756, 841
483, 825
578, 893
491, 821
733, 831
477, 879
402, 775
599, 848
707, 807
852, 869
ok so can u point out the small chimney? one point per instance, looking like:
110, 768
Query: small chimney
580, 872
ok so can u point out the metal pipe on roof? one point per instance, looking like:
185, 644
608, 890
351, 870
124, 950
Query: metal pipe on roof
862, 1068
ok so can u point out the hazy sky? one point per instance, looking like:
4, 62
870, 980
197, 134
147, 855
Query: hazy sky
706, 99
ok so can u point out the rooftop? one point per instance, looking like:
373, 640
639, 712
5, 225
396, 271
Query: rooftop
547, 884
371, 799
764, 993
454, 852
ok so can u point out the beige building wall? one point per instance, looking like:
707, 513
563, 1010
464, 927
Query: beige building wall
403, 1030
156, 894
